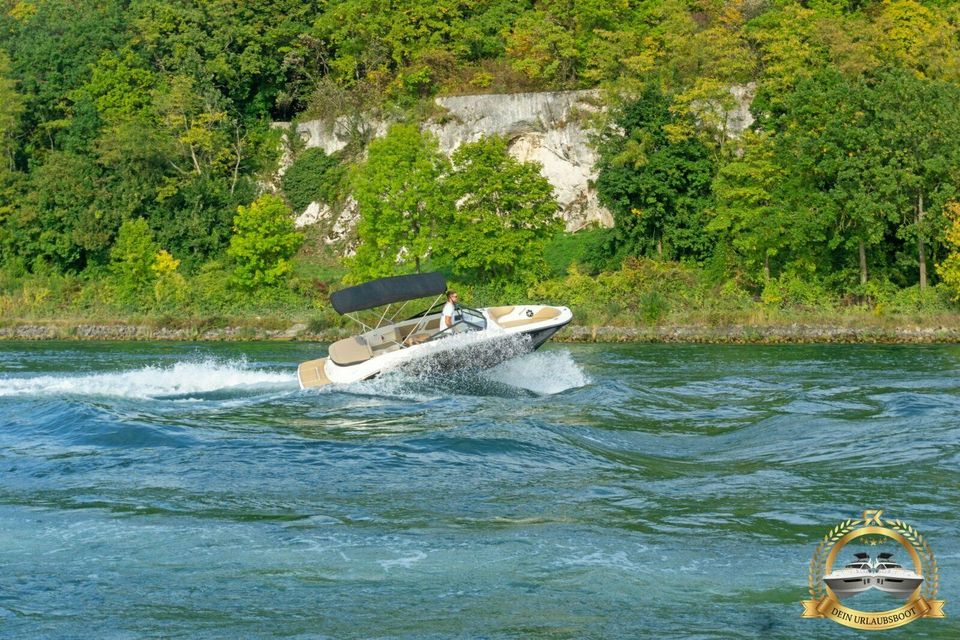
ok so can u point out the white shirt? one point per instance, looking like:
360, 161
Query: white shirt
447, 313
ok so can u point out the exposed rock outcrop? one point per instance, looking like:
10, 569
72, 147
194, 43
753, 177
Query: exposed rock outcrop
552, 128
549, 128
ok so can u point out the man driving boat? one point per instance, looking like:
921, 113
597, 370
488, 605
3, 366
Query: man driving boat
448, 310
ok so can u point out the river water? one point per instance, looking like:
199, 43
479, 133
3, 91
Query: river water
604, 491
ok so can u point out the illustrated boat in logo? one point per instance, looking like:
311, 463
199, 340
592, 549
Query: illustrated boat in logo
854, 578
892, 578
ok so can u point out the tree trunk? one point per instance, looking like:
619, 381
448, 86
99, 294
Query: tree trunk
660, 248
417, 261
863, 263
766, 267
921, 251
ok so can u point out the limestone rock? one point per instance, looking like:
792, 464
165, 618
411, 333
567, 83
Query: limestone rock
551, 128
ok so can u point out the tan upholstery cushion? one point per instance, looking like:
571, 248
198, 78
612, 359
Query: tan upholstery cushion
546, 313
350, 351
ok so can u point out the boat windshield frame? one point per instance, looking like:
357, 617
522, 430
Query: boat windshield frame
478, 324
473, 319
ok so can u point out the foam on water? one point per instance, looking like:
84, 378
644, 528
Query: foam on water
178, 379
542, 372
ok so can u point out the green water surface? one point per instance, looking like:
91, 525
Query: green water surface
584, 491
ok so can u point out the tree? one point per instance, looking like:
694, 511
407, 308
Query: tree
505, 214
919, 124
831, 139
11, 108
917, 37
749, 212
57, 223
403, 208
949, 269
658, 190
131, 260
264, 239
543, 50
51, 52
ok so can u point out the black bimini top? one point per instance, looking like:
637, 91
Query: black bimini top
377, 293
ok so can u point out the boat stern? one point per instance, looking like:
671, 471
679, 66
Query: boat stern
312, 374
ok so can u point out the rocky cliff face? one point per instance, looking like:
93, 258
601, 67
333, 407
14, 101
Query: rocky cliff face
551, 128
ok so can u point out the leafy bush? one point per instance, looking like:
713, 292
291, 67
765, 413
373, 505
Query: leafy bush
911, 300
264, 240
313, 177
580, 247
793, 290
949, 269
131, 259
644, 288
169, 287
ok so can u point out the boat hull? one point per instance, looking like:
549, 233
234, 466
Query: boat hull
845, 587
896, 586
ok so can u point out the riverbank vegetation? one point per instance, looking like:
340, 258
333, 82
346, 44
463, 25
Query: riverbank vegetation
139, 168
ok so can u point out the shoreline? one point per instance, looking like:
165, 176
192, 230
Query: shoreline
787, 333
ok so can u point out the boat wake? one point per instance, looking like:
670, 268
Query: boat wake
181, 379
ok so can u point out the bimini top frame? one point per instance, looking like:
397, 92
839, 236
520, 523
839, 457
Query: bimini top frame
386, 291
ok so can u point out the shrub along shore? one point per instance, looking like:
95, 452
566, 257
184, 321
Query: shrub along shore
645, 300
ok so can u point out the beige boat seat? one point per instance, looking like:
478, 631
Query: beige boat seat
417, 338
429, 327
350, 351
498, 312
547, 313
384, 338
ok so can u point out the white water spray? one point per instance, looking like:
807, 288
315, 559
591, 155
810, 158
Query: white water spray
542, 372
191, 377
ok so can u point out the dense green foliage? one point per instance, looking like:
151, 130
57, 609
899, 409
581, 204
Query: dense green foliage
135, 139
313, 177
484, 215
504, 214
403, 208
263, 242
657, 189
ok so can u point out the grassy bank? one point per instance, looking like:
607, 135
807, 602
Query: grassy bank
644, 300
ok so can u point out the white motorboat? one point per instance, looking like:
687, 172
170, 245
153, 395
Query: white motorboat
892, 578
854, 578
479, 337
